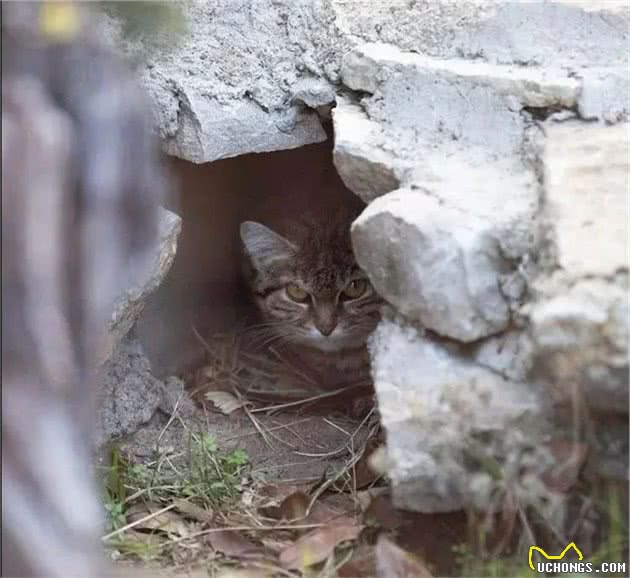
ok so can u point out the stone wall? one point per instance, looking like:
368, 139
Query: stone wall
491, 141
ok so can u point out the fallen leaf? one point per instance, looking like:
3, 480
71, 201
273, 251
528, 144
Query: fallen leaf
140, 544
232, 544
278, 492
293, 507
322, 512
394, 562
570, 457
168, 522
318, 545
224, 401
275, 546
193, 511
362, 564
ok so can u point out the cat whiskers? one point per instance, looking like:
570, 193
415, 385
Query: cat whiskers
266, 335
261, 328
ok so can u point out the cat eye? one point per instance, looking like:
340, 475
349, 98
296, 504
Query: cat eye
355, 289
296, 293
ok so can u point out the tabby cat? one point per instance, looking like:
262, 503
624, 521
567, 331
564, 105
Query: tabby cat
314, 304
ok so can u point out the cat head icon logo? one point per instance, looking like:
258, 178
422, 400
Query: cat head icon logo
533, 549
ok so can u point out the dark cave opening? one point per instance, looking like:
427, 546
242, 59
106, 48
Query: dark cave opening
204, 288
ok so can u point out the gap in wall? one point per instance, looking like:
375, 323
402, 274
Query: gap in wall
204, 286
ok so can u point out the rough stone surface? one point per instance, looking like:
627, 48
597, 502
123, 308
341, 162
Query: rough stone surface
234, 83
570, 33
130, 395
246, 74
370, 65
605, 94
130, 305
367, 168
580, 334
446, 417
509, 354
580, 319
226, 87
313, 92
447, 250
435, 263
586, 202
425, 26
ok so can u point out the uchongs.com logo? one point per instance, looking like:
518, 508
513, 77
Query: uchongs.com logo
556, 564
560, 556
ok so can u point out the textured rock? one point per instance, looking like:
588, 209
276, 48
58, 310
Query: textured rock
509, 354
226, 86
580, 336
365, 166
586, 182
423, 120
370, 65
235, 82
580, 317
247, 74
130, 305
435, 263
568, 33
130, 395
313, 92
424, 26
452, 426
605, 94
426, 123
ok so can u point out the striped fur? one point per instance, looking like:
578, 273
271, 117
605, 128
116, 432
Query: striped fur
327, 330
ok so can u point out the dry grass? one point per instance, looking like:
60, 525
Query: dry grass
261, 374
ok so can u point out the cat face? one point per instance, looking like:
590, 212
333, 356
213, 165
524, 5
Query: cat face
310, 292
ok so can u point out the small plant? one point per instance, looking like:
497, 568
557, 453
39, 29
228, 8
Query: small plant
115, 490
477, 565
116, 516
213, 477
206, 476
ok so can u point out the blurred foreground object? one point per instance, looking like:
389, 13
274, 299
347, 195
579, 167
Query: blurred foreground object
81, 185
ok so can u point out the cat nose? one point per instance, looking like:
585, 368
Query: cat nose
325, 328
325, 320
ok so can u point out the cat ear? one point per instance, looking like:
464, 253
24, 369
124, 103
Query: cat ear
263, 245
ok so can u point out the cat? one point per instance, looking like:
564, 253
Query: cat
314, 304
